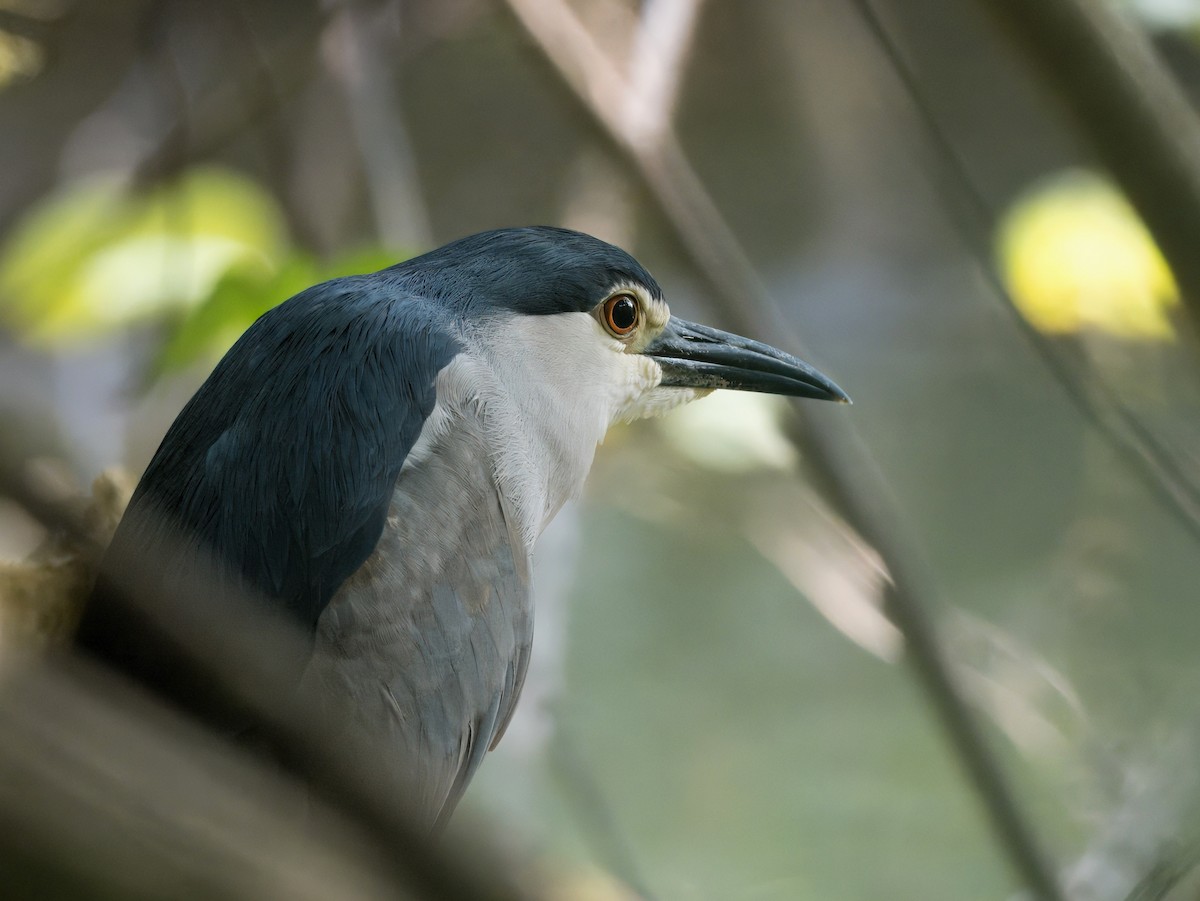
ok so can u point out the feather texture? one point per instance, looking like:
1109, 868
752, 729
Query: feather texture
280, 469
374, 459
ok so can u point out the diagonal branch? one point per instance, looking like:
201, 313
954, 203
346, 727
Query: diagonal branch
661, 45
836, 450
1096, 401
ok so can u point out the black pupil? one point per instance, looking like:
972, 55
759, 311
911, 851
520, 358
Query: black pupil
624, 314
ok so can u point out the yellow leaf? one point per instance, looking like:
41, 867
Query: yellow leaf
1075, 255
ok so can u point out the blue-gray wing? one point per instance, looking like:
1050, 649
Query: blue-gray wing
281, 467
430, 638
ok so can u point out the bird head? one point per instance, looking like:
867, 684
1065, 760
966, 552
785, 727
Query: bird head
582, 320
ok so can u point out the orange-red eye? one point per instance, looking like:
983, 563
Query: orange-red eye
621, 314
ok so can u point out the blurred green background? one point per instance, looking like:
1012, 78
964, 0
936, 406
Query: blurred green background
717, 707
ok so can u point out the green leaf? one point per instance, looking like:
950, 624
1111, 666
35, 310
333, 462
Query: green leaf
244, 294
96, 256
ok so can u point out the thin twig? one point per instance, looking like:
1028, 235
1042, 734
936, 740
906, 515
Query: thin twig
178, 268
833, 446
218, 119
388, 164
262, 91
587, 800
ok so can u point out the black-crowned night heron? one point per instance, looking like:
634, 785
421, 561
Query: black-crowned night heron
378, 455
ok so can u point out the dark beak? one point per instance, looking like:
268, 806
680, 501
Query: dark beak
696, 356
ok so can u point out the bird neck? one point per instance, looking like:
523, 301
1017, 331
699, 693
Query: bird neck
539, 451
541, 411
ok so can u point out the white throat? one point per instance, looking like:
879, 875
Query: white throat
564, 383
544, 390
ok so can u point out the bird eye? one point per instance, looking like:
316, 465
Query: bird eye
621, 314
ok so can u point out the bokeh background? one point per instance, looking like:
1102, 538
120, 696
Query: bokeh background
720, 705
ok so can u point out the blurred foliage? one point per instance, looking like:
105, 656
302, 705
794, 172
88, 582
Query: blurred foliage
1076, 256
96, 255
19, 58
1167, 14
247, 291
210, 247
732, 432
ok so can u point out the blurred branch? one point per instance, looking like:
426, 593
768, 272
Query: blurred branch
591, 809
159, 50
216, 118
1160, 882
835, 449
661, 46
1126, 103
1087, 390
360, 62
262, 89
147, 806
240, 651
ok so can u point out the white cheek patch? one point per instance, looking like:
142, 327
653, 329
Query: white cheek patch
601, 380
659, 401
589, 380
547, 389
644, 395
